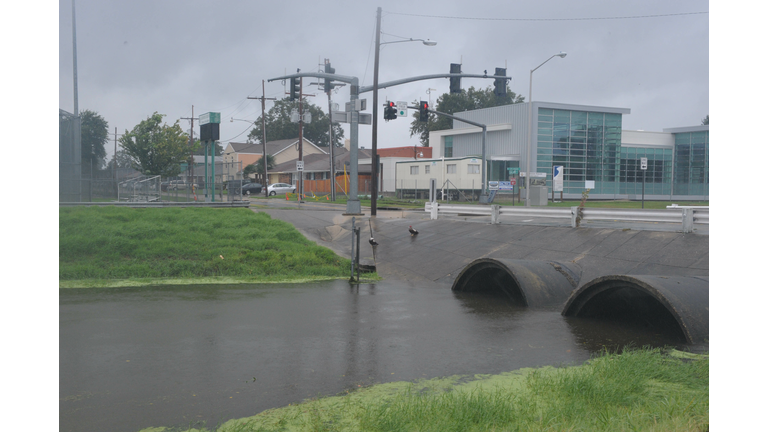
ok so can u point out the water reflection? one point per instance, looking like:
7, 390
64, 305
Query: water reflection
168, 356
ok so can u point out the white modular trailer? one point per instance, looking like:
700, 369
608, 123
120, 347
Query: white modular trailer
463, 174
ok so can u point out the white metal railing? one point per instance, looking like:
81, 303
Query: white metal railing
686, 215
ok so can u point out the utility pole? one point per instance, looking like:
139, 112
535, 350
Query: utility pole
375, 118
263, 99
191, 144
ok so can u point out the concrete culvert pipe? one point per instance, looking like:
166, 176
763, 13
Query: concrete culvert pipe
659, 301
534, 284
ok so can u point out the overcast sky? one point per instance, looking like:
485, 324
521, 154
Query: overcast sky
137, 57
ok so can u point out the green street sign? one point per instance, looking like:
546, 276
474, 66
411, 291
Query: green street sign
210, 117
513, 171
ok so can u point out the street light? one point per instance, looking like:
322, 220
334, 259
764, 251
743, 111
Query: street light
375, 114
561, 54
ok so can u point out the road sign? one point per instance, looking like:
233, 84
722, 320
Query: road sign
534, 175
402, 109
643, 163
512, 181
299, 165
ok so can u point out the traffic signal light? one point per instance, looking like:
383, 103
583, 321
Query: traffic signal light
390, 112
327, 85
423, 113
455, 82
500, 84
295, 88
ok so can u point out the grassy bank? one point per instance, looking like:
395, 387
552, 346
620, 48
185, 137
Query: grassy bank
637, 390
119, 246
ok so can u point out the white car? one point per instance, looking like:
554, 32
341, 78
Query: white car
280, 188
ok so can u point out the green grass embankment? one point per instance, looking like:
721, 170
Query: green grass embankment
636, 390
119, 246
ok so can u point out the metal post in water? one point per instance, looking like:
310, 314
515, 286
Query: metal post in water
352, 257
357, 254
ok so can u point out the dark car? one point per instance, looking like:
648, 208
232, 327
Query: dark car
252, 188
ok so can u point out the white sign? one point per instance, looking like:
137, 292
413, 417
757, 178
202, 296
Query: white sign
505, 185
643, 163
557, 178
534, 175
299, 165
402, 109
493, 185
589, 184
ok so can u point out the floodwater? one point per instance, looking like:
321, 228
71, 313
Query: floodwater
177, 356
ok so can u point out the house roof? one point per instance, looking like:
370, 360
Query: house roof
273, 147
320, 162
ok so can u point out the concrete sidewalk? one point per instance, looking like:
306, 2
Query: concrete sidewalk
445, 246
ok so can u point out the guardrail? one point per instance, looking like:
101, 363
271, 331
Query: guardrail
687, 216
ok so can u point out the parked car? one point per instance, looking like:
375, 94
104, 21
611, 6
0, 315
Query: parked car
280, 188
252, 188
164, 186
177, 184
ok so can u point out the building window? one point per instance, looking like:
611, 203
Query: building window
426, 169
448, 146
473, 169
450, 169
414, 170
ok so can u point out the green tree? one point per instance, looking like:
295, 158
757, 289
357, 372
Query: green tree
258, 166
279, 125
200, 150
122, 159
451, 103
93, 137
705, 120
155, 148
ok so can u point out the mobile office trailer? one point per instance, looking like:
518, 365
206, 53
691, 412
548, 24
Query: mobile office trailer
457, 178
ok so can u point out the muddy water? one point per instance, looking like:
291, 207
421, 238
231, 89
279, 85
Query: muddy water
171, 356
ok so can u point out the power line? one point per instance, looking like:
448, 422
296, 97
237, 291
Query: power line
548, 19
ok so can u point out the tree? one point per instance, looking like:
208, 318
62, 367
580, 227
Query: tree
258, 166
93, 136
122, 159
451, 103
156, 149
705, 120
279, 125
200, 150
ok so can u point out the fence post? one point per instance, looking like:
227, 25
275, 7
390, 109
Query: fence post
574, 216
434, 210
495, 214
687, 220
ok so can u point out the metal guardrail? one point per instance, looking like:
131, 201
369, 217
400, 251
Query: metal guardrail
685, 215
220, 204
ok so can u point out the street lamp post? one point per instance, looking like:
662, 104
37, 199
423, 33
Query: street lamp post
561, 54
375, 119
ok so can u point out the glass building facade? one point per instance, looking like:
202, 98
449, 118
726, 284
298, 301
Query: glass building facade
691, 166
586, 144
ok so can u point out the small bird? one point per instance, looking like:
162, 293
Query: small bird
412, 231
373, 242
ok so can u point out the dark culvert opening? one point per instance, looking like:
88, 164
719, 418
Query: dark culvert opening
632, 307
491, 281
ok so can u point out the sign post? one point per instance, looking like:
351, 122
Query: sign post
557, 181
644, 168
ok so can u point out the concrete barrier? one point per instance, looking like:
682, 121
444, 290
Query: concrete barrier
535, 284
684, 298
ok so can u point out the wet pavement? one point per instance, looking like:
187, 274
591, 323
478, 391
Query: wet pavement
177, 356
